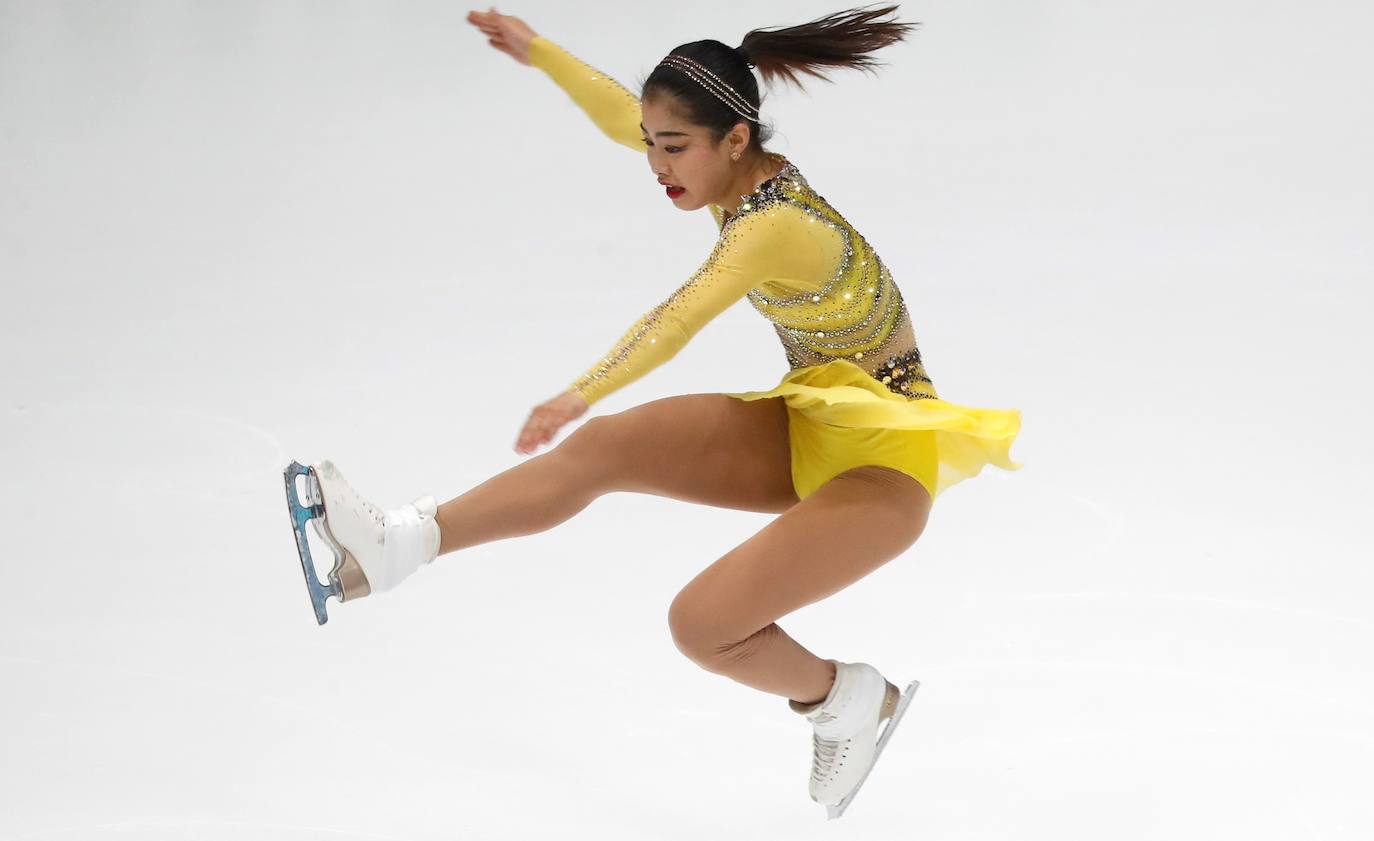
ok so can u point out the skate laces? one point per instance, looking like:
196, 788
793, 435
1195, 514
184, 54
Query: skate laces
823, 750
364, 505
344, 487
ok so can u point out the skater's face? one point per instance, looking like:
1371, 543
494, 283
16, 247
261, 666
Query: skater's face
682, 156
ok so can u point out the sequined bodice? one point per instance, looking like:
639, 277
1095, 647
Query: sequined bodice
856, 312
800, 264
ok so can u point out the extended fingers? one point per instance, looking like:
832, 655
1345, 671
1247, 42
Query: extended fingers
537, 431
485, 21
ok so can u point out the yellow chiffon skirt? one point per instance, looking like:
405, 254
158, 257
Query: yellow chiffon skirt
840, 417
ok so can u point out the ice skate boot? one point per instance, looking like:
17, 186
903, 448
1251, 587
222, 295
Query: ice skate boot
845, 736
374, 550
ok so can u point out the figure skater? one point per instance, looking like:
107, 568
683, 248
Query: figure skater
850, 449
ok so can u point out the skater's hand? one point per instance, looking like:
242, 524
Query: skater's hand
507, 33
547, 418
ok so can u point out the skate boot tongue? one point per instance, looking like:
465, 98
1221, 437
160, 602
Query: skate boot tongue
411, 538
427, 531
855, 694
426, 505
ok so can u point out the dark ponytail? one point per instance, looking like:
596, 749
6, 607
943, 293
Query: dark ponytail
842, 39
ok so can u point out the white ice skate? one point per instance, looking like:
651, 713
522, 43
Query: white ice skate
845, 739
373, 550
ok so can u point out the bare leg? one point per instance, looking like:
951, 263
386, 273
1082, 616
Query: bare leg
531, 497
705, 448
725, 618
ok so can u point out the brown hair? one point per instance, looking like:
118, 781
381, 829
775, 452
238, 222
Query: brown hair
842, 39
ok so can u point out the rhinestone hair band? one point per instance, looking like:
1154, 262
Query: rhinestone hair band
713, 83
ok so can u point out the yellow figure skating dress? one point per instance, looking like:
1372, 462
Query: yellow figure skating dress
857, 392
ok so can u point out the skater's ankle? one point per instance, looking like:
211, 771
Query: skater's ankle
830, 665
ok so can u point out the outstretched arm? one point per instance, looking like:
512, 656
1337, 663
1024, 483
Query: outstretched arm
613, 108
744, 257
610, 106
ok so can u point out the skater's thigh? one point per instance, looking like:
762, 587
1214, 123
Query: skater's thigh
705, 448
851, 526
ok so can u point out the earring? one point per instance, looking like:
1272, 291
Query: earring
735, 156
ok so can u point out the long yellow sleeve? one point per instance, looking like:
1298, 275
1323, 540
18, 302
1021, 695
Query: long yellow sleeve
751, 250
614, 109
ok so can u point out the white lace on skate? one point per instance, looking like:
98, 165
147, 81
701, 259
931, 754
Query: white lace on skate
824, 751
845, 742
845, 725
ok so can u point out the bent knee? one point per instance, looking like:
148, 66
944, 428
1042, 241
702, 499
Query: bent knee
701, 633
590, 449
586, 435
687, 624
613, 446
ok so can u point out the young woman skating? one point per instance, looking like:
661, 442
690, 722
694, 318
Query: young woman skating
850, 448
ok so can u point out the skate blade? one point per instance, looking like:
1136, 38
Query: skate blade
835, 810
301, 512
